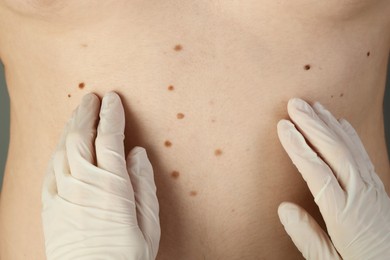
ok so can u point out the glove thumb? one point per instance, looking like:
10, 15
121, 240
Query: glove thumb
306, 234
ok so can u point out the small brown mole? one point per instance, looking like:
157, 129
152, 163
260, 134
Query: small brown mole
180, 115
178, 47
233, 210
213, 120
193, 193
368, 54
331, 96
175, 175
307, 67
218, 152
171, 88
342, 94
69, 95
168, 143
81, 85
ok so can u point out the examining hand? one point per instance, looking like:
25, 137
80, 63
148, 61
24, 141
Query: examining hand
103, 208
342, 179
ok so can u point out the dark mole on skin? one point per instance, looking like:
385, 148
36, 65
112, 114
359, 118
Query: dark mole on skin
180, 115
81, 85
69, 95
168, 143
368, 54
193, 193
342, 94
307, 67
171, 88
178, 47
331, 96
175, 175
218, 152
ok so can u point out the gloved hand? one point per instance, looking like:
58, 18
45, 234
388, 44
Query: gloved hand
351, 197
95, 206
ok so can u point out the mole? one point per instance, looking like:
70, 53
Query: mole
168, 143
218, 152
342, 94
175, 175
193, 193
180, 115
331, 96
233, 210
170, 88
81, 85
69, 95
178, 47
213, 120
307, 67
368, 54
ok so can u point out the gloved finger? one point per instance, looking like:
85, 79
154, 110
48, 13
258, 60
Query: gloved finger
331, 148
306, 234
80, 140
110, 136
142, 178
319, 177
333, 124
361, 152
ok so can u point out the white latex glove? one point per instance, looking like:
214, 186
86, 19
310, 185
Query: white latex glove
99, 208
342, 179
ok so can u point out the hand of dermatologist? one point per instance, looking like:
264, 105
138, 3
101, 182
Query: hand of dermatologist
351, 197
97, 204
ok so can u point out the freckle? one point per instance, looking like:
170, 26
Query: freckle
168, 143
342, 94
178, 47
368, 54
213, 120
218, 152
171, 88
307, 67
69, 95
84, 45
175, 175
180, 115
331, 96
81, 85
211, 102
233, 210
193, 193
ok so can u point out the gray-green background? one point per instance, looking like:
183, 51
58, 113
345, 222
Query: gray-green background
4, 119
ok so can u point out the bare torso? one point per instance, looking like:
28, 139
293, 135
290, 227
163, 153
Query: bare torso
229, 67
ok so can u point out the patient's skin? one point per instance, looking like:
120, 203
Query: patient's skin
204, 84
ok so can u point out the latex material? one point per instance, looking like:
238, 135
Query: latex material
351, 197
97, 204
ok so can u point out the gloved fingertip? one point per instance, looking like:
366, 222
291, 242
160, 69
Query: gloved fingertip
284, 125
318, 105
110, 98
136, 150
138, 161
289, 213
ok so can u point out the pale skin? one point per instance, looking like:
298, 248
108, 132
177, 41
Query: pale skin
237, 66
